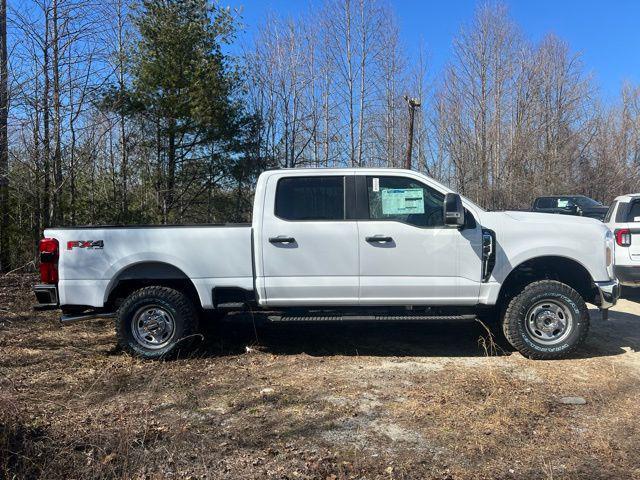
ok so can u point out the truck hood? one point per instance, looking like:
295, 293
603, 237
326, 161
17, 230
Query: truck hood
536, 217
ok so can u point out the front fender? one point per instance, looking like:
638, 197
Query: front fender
543, 235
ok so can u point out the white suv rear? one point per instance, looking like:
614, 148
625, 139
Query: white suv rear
623, 218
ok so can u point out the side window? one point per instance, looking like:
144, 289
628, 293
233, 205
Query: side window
545, 202
621, 212
310, 198
607, 217
564, 202
405, 200
634, 212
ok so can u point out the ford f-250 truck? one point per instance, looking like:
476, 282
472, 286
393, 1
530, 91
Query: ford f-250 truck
342, 244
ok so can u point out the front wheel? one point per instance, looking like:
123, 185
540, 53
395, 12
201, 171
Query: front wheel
156, 322
547, 320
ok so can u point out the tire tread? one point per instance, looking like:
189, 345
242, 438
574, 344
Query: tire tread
517, 309
178, 300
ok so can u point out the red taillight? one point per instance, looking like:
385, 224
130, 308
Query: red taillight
49, 253
623, 237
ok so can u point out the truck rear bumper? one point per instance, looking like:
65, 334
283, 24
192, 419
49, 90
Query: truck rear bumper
627, 274
47, 297
609, 293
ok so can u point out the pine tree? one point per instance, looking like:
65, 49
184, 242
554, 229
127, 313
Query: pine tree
184, 85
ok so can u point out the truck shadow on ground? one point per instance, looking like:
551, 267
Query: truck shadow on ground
233, 335
620, 334
631, 293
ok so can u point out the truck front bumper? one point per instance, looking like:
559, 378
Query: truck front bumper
47, 297
609, 292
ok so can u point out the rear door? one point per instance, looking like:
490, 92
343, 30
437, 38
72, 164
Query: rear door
309, 248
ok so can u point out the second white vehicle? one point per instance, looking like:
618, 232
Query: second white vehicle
623, 219
343, 244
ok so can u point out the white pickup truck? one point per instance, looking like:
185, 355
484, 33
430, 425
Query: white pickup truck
341, 244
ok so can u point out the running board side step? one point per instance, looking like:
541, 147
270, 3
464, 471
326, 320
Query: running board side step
81, 317
338, 317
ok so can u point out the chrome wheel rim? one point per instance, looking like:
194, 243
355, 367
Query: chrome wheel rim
549, 322
153, 327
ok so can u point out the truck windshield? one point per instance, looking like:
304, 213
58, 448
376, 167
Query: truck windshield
586, 202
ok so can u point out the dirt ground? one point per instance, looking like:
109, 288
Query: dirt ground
324, 401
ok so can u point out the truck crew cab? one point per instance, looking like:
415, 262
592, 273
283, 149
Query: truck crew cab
570, 205
339, 244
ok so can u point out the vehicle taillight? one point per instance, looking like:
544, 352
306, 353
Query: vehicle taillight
49, 254
623, 237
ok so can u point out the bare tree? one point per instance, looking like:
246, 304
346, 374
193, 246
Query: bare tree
4, 142
506, 120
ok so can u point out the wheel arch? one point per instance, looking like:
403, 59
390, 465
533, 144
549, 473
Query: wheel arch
552, 267
146, 273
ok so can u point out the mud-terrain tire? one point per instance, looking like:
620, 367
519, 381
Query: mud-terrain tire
548, 320
156, 322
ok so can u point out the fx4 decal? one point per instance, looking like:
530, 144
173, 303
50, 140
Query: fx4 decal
94, 244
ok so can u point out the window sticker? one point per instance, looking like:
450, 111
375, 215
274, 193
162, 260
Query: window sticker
563, 203
402, 201
376, 184
636, 219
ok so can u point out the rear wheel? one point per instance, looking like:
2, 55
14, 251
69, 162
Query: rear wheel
156, 322
547, 320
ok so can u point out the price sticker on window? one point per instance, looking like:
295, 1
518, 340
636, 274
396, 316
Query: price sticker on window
402, 201
376, 184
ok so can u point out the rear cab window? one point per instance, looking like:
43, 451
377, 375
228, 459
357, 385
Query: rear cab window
545, 203
540, 203
310, 198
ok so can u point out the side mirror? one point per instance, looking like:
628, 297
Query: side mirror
572, 209
453, 210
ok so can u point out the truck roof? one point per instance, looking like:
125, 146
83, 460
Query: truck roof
561, 196
341, 170
628, 197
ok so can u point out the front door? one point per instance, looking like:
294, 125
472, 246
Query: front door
407, 255
309, 248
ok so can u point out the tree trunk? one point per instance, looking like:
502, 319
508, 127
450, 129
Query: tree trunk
46, 153
124, 154
363, 70
171, 169
57, 153
4, 143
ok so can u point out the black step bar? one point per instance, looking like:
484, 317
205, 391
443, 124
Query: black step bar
67, 319
338, 317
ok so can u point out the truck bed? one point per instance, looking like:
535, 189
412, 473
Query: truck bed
210, 255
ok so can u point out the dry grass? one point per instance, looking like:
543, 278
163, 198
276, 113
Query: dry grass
348, 401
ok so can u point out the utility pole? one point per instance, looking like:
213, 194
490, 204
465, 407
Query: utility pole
413, 103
